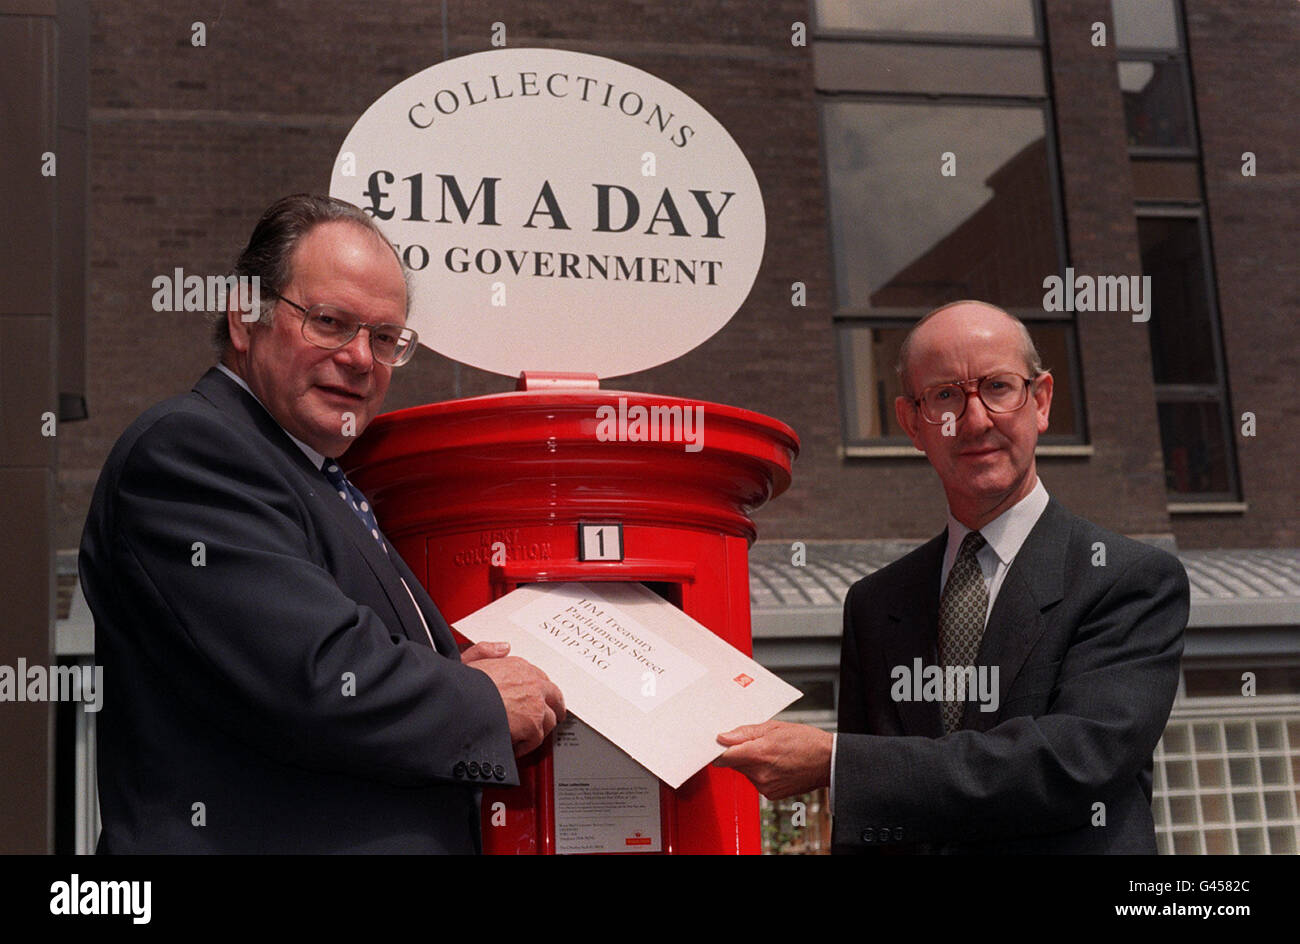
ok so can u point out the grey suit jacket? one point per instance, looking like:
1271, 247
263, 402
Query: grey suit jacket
1088, 658
268, 685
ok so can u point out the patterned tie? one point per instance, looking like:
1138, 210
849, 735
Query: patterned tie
962, 608
352, 495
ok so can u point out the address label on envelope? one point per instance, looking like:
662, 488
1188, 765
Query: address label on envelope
636, 668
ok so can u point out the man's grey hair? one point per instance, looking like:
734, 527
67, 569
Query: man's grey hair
269, 253
1028, 351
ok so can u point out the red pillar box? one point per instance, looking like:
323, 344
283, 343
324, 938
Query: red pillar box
569, 213
485, 494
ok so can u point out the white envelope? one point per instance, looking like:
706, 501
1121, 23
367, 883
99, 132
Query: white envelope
636, 668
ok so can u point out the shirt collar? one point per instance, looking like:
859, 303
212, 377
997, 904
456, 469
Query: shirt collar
1007, 532
316, 458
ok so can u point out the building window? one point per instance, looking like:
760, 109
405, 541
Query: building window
942, 184
1195, 417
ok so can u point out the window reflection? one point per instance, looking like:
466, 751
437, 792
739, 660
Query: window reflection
1182, 334
1196, 460
1145, 24
946, 17
906, 235
1155, 103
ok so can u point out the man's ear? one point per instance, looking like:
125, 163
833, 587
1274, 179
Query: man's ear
906, 413
238, 327
1043, 400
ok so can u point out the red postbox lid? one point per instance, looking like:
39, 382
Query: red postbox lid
532, 455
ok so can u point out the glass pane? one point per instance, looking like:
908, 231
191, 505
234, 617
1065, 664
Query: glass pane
1250, 841
1165, 180
1182, 810
1214, 808
905, 236
1278, 806
1179, 775
872, 384
1237, 735
1195, 457
1052, 339
894, 67
948, 17
871, 353
1245, 807
1272, 770
1242, 772
1282, 840
1182, 333
1155, 103
1145, 24
1209, 772
1175, 739
1218, 842
1207, 738
1270, 735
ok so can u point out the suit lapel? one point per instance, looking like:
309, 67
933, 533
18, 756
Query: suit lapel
913, 633
1035, 581
236, 402
438, 628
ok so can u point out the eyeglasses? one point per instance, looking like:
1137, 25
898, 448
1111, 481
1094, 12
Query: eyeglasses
331, 328
1000, 393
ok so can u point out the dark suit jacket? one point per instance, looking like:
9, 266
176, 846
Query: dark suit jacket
286, 684
1088, 660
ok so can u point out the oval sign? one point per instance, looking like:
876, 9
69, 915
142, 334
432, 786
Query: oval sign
559, 211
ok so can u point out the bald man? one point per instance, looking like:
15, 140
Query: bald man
1002, 687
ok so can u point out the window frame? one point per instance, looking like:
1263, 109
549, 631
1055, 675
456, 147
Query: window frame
1218, 392
821, 32
846, 317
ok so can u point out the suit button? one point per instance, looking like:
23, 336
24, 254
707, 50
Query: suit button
459, 769
473, 768
884, 834
486, 769
499, 772
868, 835
898, 834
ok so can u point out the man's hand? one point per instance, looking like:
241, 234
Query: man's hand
780, 758
533, 703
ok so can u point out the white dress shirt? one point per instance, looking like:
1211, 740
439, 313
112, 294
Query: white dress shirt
1005, 535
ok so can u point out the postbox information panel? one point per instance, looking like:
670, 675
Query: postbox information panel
559, 211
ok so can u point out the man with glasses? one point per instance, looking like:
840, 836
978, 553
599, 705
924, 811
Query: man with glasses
1002, 687
278, 680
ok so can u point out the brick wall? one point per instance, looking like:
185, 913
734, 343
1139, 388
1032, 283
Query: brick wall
190, 144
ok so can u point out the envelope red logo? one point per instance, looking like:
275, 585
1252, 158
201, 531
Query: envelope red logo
742, 680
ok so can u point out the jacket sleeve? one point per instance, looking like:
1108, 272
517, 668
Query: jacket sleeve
1030, 774
229, 600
